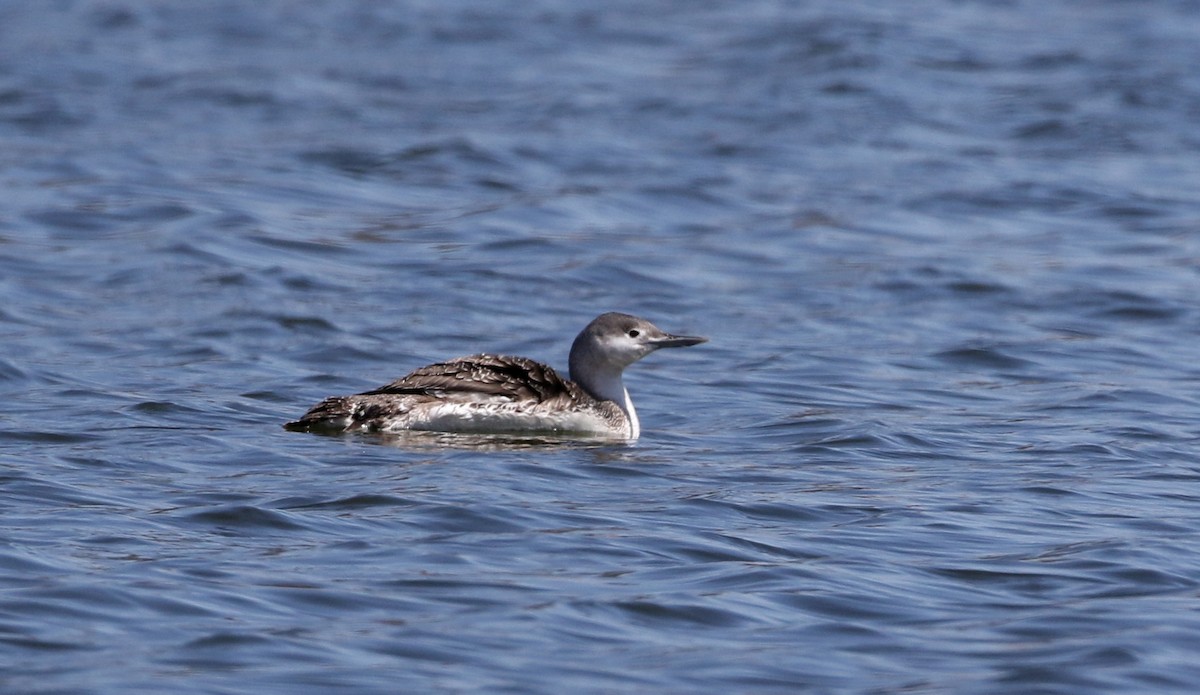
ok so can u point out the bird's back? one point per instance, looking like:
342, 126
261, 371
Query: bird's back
485, 376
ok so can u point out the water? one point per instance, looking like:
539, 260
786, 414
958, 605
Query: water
943, 439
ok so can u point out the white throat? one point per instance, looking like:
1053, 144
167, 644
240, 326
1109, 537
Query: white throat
635, 427
608, 386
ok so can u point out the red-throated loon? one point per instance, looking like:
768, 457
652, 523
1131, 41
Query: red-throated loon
494, 393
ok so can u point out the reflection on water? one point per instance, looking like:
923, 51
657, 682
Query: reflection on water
425, 441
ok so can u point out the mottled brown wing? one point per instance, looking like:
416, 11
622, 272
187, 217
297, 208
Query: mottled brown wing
491, 375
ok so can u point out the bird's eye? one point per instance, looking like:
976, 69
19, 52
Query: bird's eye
633, 333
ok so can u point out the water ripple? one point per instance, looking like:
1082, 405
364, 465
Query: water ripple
942, 439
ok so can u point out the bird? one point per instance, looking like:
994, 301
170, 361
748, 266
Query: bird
498, 394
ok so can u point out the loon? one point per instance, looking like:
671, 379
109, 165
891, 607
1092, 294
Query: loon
488, 393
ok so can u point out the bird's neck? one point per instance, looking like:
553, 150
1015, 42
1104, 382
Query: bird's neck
606, 385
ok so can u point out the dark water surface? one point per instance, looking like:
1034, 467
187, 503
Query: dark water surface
944, 440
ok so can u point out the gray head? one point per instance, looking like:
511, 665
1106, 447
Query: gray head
608, 345
613, 341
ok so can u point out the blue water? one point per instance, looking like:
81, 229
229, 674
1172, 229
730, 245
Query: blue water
943, 440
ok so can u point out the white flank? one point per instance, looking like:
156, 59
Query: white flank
493, 417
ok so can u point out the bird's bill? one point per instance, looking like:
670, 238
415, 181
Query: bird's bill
677, 341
